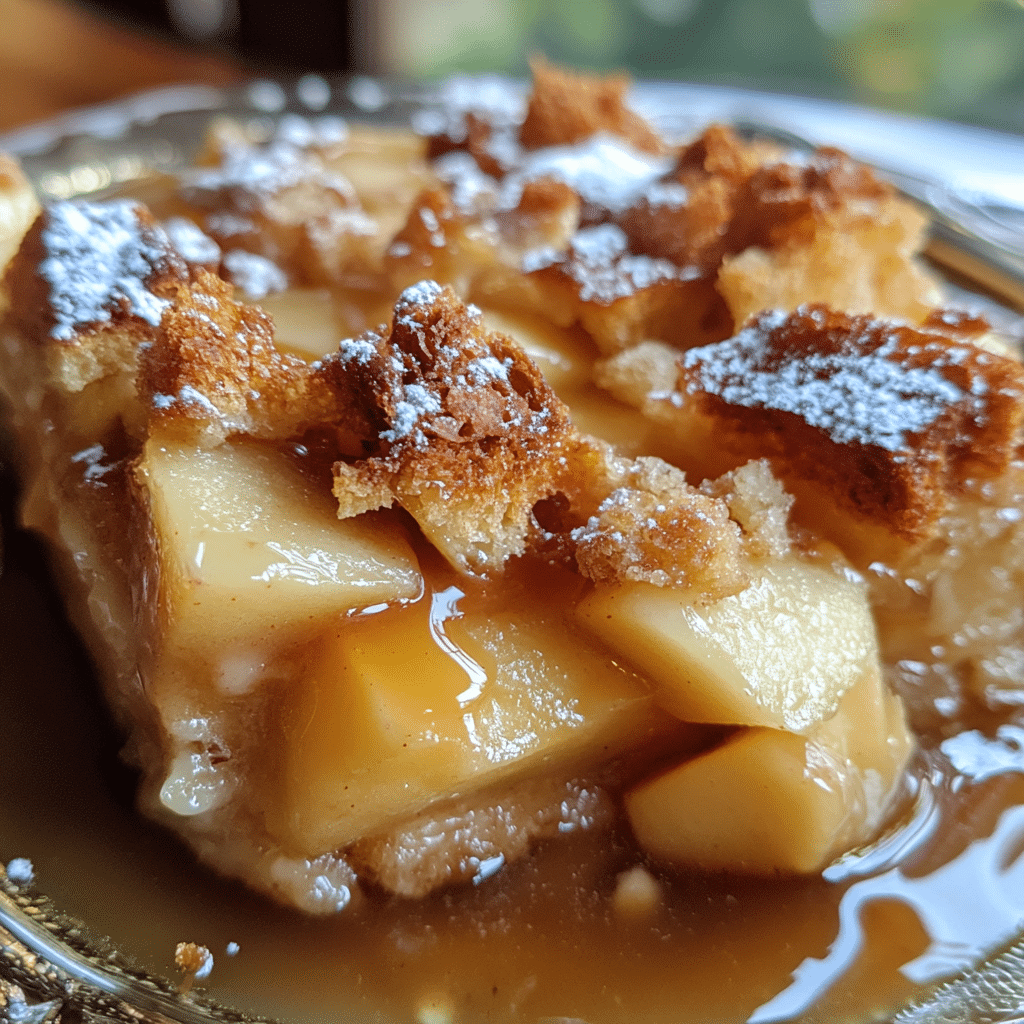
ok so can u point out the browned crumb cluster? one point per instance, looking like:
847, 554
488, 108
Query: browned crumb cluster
213, 370
470, 435
888, 420
280, 207
655, 527
565, 108
717, 230
83, 344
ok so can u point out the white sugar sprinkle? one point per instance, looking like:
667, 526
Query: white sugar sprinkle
97, 256
667, 193
854, 396
255, 275
259, 172
421, 293
599, 263
485, 369
192, 243
356, 350
469, 186
604, 171
416, 402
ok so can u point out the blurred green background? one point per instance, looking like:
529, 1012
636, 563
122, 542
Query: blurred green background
960, 59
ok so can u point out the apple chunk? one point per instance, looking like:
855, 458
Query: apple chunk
417, 705
249, 546
768, 801
780, 653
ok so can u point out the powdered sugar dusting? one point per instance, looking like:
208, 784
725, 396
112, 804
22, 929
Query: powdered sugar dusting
864, 392
415, 403
192, 243
492, 98
419, 294
98, 256
357, 350
485, 369
598, 261
470, 188
604, 171
669, 194
255, 275
259, 172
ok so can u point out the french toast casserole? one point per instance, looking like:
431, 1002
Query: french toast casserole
427, 496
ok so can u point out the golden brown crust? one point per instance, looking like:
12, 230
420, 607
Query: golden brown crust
781, 203
654, 527
827, 231
429, 241
694, 229
283, 202
889, 420
565, 108
470, 437
90, 316
213, 370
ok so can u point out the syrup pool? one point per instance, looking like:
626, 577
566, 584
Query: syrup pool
539, 940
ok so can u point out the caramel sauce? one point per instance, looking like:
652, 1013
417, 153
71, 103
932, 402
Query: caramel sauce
541, 938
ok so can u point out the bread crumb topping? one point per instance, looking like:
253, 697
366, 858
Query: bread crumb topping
101, 257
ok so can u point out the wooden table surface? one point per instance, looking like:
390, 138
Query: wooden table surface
55, 56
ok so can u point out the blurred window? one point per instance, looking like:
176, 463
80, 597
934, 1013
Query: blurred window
961, 59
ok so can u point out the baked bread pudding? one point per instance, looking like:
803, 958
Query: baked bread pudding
426, 496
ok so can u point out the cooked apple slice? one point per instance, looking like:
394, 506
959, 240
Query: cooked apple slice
399, 712
565, 356
310, 322
780, 653
305, 321
249, 547
769, 801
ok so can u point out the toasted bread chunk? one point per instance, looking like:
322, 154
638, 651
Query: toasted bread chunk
432, 241
654, 527
92, 281
621, 298
687, 217
827, 231
890, 421
565, 108
283, 204
213, 370
470, 435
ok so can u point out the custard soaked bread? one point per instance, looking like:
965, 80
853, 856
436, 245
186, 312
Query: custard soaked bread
422, 498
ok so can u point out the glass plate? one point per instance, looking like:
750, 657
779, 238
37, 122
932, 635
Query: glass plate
67, 804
